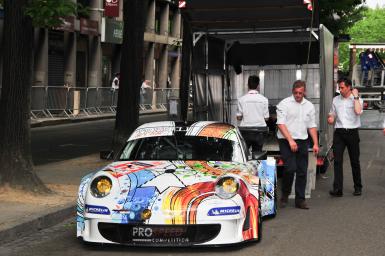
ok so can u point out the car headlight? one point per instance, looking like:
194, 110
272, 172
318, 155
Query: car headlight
227, 187
101, 186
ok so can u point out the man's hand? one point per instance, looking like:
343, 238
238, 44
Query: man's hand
293, 146
315, 149
331, 119
355, 92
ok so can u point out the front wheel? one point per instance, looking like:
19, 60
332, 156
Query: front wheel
259, 224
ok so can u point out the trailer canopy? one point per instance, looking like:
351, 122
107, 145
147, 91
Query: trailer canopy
258, 29
217, 15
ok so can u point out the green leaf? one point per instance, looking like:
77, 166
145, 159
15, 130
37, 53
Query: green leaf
47, 13
370, 29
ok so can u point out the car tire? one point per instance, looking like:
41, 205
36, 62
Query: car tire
259, 225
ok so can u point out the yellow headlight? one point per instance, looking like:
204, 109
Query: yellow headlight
104, 186
229, 185
101, 186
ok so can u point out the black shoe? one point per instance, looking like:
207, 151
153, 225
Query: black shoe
336, 193
283, 201
301, 205
357, 192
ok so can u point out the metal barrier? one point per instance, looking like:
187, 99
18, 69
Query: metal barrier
373, 77
73, 102
38, 102
92, 101
157, 99
56, 101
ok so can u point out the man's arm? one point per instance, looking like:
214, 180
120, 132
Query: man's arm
239, 111
281, 120
285, 132
332, 114
314, 137
266, 110
312, 129
357, 102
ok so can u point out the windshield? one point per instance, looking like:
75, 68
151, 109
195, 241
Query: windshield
181, 147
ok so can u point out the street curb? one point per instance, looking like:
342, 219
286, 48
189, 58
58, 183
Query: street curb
69, 121
37, 223
83, 119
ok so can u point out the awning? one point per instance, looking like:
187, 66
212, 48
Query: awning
227, 15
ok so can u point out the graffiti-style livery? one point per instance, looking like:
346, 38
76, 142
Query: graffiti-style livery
178, 185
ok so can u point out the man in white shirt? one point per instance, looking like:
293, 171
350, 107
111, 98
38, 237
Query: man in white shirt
253, 111
115, 82
295, 118
345, 114
144, 95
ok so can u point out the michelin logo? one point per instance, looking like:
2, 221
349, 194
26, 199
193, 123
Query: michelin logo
97, 209
220, 211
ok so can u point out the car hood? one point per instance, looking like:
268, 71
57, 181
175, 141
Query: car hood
175, 173
169, 188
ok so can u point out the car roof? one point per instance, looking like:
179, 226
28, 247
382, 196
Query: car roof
201, 128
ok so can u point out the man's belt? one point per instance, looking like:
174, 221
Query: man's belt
254, 128
346, 129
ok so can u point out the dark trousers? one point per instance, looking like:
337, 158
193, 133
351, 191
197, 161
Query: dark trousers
295, 163
253, 139
346, 138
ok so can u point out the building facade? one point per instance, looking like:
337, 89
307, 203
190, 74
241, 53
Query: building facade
86, 50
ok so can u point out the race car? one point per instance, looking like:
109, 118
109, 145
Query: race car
178, 184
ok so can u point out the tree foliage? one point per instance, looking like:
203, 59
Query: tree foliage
48, 13
368, 30
339, 16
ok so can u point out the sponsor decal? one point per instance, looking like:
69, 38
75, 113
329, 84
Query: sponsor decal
156, 232
309, 4
111, 8
158, 235
170, 240
220, 211
182, 4
95, 209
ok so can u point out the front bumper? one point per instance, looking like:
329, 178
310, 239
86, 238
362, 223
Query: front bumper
203, 234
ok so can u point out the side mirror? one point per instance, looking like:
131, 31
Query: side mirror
107, 155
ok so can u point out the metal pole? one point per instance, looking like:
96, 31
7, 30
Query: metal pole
206, 75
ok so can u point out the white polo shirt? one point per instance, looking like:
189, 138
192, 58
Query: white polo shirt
343, 110
298, 117
254, 108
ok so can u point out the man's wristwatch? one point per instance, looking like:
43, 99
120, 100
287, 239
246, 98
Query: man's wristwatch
356, 98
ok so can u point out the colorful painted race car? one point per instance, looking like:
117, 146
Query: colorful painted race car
178, 185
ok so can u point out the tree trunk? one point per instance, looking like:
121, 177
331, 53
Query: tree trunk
15, 142
131, 71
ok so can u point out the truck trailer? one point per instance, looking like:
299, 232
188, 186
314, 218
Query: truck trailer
224, 42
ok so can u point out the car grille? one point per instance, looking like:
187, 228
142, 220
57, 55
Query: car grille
158, 235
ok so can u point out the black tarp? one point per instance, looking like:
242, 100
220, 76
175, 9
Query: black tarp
253, 32
249, 14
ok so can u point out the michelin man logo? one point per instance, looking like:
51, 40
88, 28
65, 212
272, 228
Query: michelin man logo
220, 211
